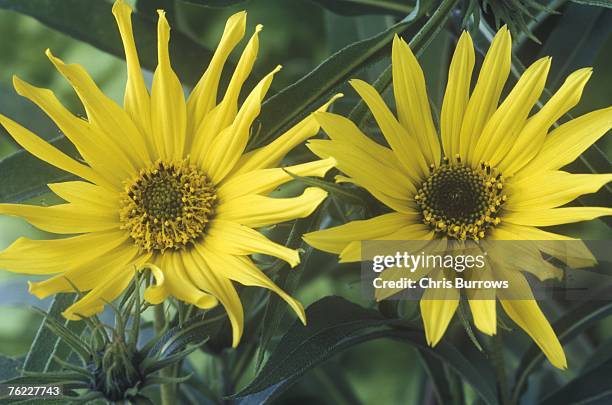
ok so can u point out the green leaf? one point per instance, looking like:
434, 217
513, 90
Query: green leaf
46, 344
570, 325
598, 3
335, 324
355, 197
283, 109
24, 176
592, 386
437, 375
91, 21
360, 7
9, 367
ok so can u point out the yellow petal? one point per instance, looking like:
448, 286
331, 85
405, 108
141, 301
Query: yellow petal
168, 108
457, 95
93, 147
228, 146
555, 216
256, 211
528, 316
352, 252
80, 192
211, 280
404, 145
57, 255
393, 188
88, 275
438, 305
156, 293
264, 181
412, 101
45, 152
551, 189
502, 129
235, 239
272, 154
224, 113
204, 95
335, 239
243, 271
93, 302
532, 136
137, 101
483, 102
179, 280
564, 144
64, 218
104, 115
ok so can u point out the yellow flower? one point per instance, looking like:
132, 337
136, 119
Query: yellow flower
166, 185
499, 178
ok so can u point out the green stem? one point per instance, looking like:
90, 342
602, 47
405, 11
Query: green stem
497, 357
360, 113
166, 390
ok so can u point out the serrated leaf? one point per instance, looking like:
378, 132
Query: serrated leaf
361, 7
91, 21
335, 324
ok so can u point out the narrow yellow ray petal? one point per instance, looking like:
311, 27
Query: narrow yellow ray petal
243, 271
500, 132
137, 101
228, 146
412, 101
157, 292
457, 95
551, 189
271, 155
556, 216
104, 114
234, 239
179, 283
264, 181
81, 192
528, 316
532, 136
394, 189
94, 301
256, 211
168, 108
564, 144
342, 129
438, 305
335, 239
210, 279
404, 144
352, 252
88, 275
575, 254
204, 95
64, 218
92, 146
56, 255
483, 101
45, 152
224, 113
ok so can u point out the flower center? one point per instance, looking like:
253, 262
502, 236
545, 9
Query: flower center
167, 206
461, 201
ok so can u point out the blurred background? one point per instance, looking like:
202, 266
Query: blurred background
298, 34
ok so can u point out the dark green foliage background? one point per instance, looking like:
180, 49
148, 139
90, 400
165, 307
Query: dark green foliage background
391, 365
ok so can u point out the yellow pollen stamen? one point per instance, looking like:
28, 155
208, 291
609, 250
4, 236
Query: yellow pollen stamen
460, 201
167, 206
